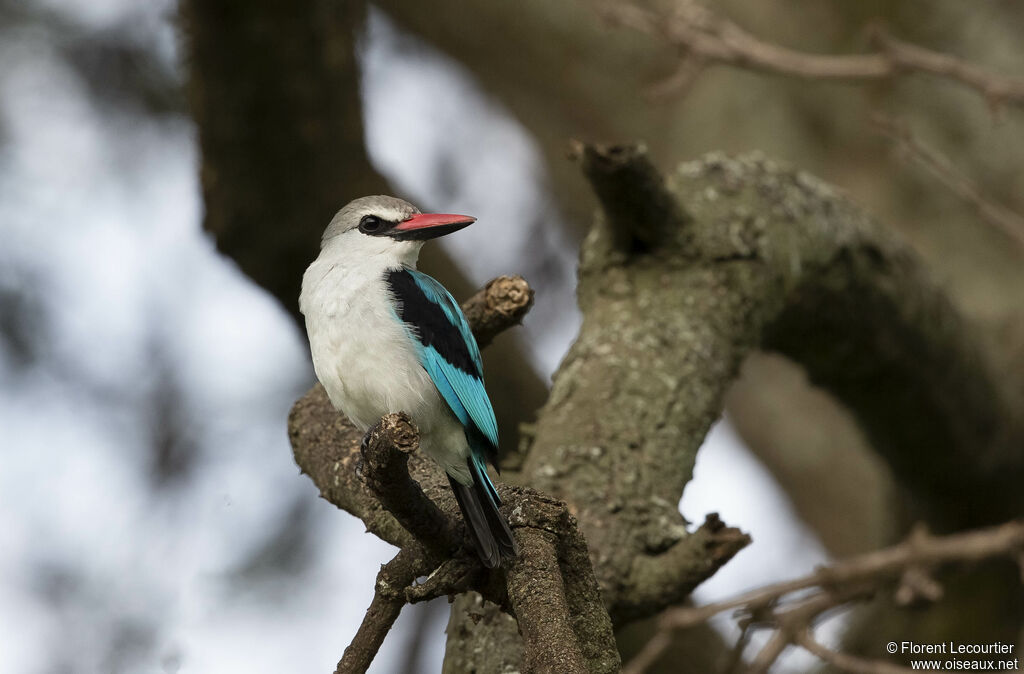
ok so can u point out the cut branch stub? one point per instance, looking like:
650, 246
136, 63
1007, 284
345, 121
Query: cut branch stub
502, 303
642, 213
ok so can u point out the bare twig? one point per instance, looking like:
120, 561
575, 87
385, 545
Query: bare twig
706, 38
1011, 223
384, 609
834, 586
844, 662
771, 651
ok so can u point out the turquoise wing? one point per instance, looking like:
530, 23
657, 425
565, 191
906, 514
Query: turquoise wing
448, 351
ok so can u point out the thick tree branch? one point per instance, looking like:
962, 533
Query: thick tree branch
536, 590
475, 622
773, 259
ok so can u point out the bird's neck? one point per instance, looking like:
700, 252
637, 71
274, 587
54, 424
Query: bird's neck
345, 271
371, 255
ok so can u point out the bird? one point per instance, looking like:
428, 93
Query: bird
386, 338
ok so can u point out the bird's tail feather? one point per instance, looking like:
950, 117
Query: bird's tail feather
479, 503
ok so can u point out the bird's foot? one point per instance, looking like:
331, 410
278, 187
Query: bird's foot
363, 446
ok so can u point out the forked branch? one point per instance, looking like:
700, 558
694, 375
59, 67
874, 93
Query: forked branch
790, 610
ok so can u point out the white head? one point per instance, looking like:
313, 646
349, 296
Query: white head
388, 227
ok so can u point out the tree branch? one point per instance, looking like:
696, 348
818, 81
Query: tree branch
642, 213
838, 583
387, 603
385, 451
274, 91
773, 259
502, 303
403, 497
538, 599
707, 38
847, 663
1011, 223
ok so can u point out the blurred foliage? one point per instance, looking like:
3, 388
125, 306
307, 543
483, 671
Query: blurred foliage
119, 64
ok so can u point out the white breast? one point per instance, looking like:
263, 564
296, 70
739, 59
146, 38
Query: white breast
362, 355
367, 362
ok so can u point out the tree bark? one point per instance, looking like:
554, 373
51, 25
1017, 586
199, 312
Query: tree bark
736, 257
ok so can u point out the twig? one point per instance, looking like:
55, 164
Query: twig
836, 585
387, 603
1011, 223
771, 651
844, 662
706, 38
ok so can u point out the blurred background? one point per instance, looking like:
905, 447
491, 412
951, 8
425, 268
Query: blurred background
165, 173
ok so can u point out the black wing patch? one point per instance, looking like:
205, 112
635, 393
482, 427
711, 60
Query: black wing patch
430, 321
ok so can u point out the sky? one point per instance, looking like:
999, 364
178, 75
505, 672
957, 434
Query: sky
129, 308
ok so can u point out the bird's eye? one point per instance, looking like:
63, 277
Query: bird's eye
370, 224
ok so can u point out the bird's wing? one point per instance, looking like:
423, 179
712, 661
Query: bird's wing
448, 350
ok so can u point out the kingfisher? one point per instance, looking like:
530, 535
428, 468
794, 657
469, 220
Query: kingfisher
387, 338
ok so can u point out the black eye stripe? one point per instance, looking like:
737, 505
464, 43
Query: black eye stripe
374, 225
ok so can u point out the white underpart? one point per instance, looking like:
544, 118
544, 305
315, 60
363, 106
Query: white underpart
363, 355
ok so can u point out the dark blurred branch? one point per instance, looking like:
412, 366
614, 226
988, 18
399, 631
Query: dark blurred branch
945, 171
274, 90
707, 38
898, 568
